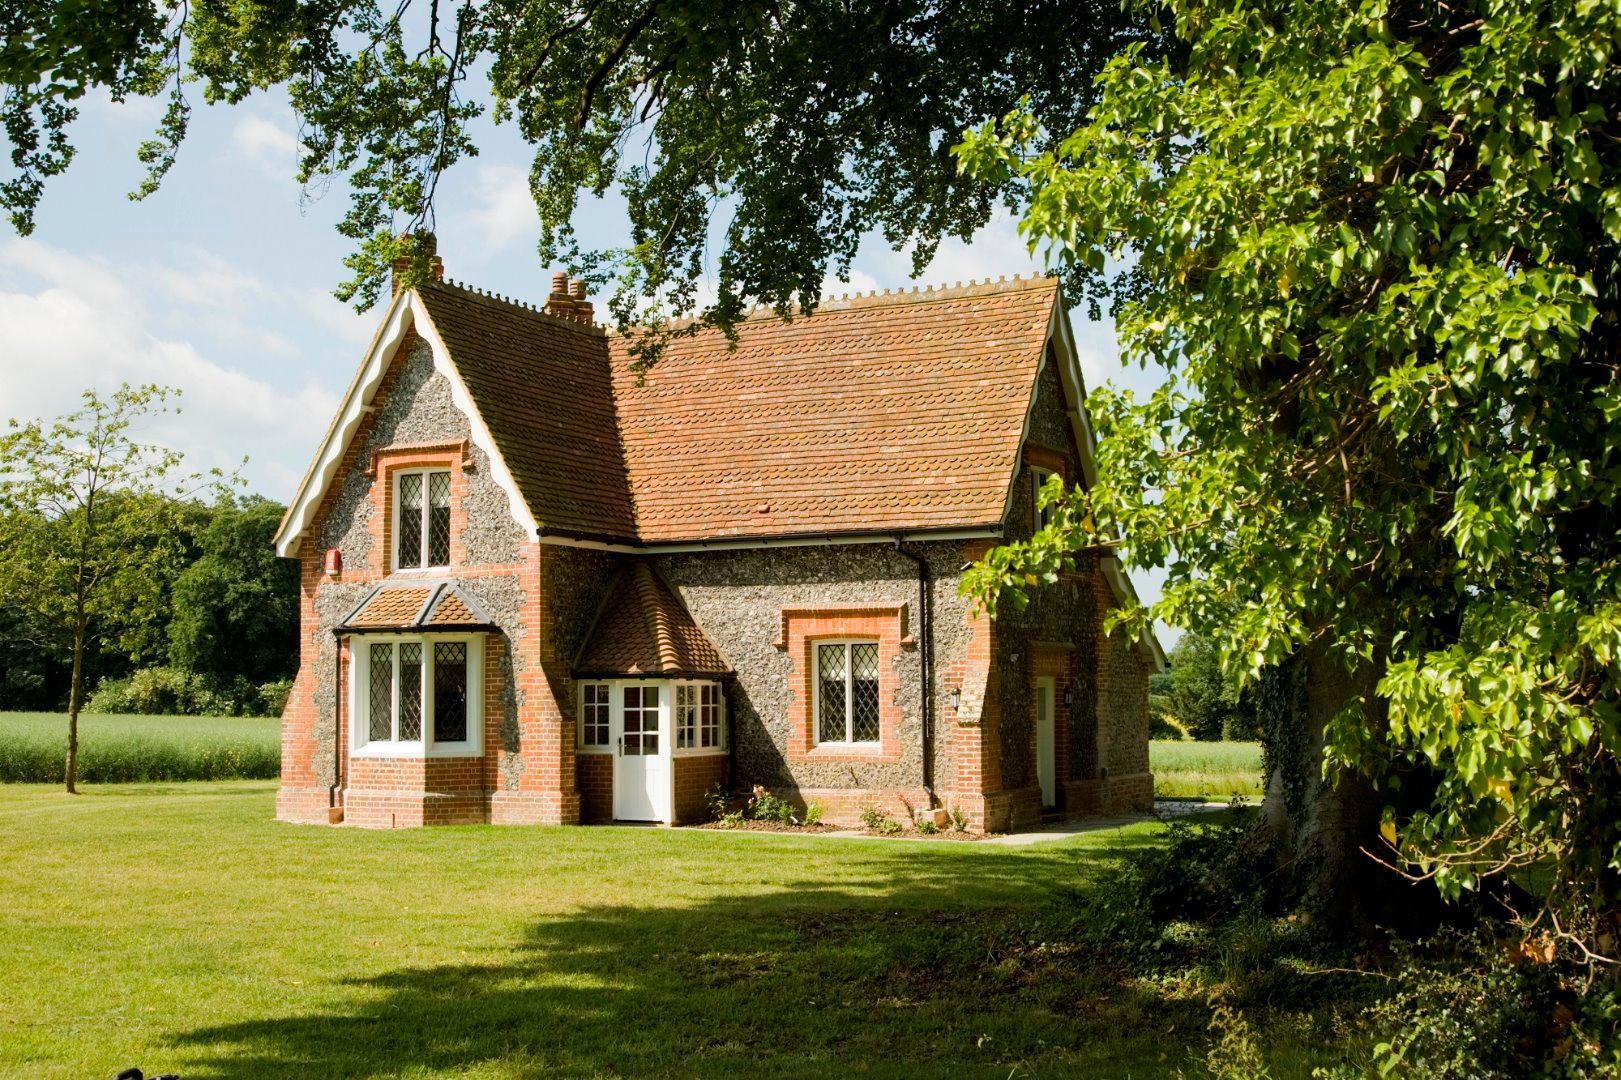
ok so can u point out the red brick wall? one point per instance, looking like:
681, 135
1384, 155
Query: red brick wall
596, 773
694, 777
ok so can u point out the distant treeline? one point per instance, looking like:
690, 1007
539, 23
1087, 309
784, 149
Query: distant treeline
223, 641
1194, 701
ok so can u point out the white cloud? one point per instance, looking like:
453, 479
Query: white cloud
68, 323
267, 143
503, 210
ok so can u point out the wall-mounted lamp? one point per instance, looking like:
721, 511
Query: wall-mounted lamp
954, 697
1069, 696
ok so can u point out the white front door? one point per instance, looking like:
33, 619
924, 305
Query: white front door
642, 753
1046, 770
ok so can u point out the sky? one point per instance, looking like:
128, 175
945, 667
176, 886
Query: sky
221, 283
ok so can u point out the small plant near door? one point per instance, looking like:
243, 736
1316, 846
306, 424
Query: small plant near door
813, 813
879, 821
764, 806
959, 820
718, 801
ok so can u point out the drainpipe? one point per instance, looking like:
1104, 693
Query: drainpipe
332, 811
925, 647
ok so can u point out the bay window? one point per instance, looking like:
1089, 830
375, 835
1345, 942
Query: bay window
417, 695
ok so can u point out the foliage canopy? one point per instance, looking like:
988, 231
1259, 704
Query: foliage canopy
1374, 246
793, 131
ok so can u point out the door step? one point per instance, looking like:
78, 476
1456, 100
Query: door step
1049, 817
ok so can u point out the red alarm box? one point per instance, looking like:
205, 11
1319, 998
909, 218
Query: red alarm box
334, 560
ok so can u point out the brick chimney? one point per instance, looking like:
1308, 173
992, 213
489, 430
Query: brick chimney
567, 299
425, 243
582, 306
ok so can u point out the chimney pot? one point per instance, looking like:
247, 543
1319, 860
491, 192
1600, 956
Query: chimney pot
559, 284
576, 288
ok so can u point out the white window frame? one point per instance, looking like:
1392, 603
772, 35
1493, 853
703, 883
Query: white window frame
422, 538
360, 742
581, 745
849, 693
669, 697
1039, 517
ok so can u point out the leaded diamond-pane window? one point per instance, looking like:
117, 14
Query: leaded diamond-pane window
847, 692
864, 692
422, 519
439, 519
380, 726
410, 520
450, 691
422, 691
831, 666
410, 691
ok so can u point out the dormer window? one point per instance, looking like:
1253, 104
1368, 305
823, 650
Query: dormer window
421, 519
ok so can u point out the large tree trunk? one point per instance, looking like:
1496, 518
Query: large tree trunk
1324, 829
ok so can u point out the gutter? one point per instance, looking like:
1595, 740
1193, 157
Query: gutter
925, 645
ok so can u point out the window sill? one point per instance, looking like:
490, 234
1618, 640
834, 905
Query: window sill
415, 750
848, 752
701, 751
597, 750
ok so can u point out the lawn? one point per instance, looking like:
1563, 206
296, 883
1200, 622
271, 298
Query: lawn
1205, 770
115, 749
179, 928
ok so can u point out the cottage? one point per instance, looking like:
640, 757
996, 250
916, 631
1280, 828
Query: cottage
537, 587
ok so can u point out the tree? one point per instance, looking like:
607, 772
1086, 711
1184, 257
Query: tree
1200, 696
80, 500
794, 129
1375, 249
235, 609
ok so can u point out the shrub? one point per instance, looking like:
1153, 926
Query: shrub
764, 806
169, 691
813, 813
718, 802
927, 827
879, 820
273, 697
731, 820
959, 820
1471, 1005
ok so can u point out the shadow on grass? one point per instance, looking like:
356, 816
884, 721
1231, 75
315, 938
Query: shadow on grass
937, 968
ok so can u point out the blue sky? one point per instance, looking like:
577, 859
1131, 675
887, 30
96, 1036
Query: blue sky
221, 283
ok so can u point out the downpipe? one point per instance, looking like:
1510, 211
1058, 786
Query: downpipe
925, 646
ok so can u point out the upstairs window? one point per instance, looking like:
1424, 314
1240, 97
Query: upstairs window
1041, 516
847, 692
422, 518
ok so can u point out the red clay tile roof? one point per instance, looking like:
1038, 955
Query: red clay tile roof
643, 629
415, 607
878, 414
881, 414
542, 387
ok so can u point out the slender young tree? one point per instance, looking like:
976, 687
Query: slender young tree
83, 508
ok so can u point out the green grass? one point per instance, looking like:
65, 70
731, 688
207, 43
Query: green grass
1205, 770
177, 927
132, 749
